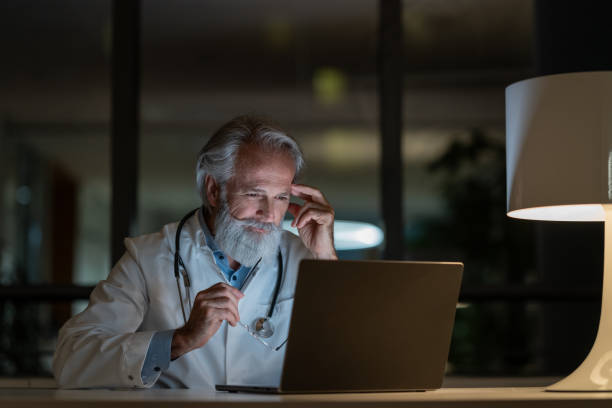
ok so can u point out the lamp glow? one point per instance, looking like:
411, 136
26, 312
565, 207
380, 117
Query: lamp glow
582, 212
350, 235
558, 150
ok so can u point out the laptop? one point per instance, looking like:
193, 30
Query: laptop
368, 326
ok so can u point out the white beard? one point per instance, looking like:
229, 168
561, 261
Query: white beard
242, 244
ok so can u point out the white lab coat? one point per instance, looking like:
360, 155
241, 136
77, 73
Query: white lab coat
106, 344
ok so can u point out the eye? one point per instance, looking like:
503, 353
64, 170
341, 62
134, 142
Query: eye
282, 198
251, 194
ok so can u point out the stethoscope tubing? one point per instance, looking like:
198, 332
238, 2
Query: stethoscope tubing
178, 260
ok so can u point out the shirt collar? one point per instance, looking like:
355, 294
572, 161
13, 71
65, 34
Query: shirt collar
220, 257
210, 240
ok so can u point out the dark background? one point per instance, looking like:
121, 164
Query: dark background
530, 297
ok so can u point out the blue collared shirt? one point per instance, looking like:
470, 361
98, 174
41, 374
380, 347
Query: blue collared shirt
158, 354
234, 277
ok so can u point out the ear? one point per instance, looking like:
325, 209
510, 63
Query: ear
212, 191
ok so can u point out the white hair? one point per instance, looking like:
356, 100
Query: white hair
245, 246
218, 155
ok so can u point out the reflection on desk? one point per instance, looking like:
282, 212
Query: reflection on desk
443, 398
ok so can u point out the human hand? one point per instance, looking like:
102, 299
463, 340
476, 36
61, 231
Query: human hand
210, 308
314, 221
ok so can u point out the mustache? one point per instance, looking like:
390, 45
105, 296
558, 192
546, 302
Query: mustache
266, 226
245, 246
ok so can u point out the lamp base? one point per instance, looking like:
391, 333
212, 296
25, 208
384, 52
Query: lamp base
595, 372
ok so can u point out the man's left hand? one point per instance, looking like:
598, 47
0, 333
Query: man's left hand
314, 221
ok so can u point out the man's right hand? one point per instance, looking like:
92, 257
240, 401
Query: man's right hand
210, 308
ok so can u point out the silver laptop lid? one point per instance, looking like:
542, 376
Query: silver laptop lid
370, 326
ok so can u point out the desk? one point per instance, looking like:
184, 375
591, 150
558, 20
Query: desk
443, 398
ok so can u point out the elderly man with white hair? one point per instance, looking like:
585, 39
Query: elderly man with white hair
207, 300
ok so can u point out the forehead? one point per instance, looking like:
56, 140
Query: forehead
256, 166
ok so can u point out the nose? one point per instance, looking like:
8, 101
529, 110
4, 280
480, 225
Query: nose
265, 211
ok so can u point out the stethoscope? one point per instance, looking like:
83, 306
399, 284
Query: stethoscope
262, 326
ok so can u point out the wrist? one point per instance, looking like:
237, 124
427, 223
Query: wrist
180, 344
327, 255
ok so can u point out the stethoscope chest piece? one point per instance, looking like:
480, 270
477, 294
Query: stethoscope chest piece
263, 327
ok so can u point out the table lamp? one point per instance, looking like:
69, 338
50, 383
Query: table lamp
559, 168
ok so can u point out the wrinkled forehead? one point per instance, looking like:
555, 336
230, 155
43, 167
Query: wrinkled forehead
257, 166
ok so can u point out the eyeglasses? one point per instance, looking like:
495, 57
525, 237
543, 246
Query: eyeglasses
259, 339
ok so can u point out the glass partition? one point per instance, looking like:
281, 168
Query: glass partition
54, 167
312, 67
308, 66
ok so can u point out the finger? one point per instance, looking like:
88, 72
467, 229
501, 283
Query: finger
321, 217
308, 193
213, 308
219, 289
221, 303
234, 291
294, 209
224, 285
219, 294
305, 208
224, 314
231, 291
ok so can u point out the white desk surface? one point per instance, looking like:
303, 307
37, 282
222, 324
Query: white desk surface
523, 397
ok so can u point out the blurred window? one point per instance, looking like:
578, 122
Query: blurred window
310, 67
54, 167
459, 57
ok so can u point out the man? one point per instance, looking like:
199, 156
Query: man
144, 327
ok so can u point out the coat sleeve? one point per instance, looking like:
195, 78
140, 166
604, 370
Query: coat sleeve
100, 347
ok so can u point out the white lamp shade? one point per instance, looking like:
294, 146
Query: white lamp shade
559, 146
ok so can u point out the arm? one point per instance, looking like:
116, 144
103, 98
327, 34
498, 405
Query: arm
100, 346
158, 356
